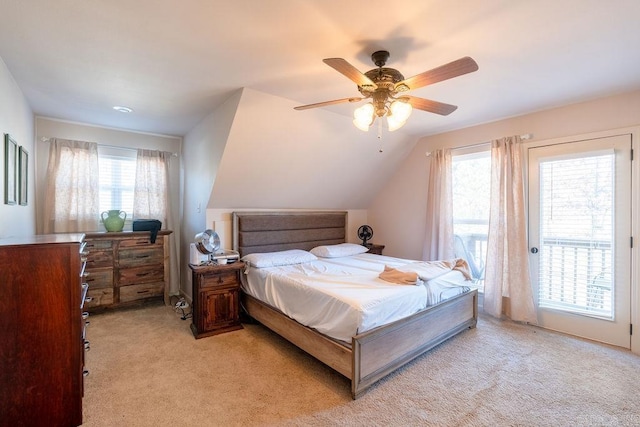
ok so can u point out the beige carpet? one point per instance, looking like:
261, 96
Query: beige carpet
146, 369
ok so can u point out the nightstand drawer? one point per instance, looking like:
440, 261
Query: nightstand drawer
218, 280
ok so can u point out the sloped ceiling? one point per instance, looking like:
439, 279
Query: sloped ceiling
174, 62
276, 157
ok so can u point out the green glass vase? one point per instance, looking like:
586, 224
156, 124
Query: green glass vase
114, 220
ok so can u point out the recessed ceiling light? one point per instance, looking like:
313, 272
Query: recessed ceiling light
122, 109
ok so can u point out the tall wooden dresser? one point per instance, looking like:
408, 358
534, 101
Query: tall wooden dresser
42, 330
127, 268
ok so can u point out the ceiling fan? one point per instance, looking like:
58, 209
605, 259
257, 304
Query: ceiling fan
386, 88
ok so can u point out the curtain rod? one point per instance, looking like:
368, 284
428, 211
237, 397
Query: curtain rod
47, 139
525, 137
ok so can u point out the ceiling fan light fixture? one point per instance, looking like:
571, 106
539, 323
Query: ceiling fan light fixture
400, 109
399, 112
363, 116
382, 85
394, 124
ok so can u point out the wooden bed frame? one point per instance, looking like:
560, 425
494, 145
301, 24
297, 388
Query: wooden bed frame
372, 354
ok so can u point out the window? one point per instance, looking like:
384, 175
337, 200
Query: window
117, 179
471, 184
576, 234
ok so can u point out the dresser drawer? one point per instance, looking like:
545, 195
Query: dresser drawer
98, 244
218, 280
100, 258
141, 256
99, 278
143, 291
137, 275
141, 242
99, 297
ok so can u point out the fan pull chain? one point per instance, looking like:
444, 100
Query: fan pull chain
380, 134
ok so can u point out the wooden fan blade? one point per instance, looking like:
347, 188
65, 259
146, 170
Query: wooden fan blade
322, 104
431, 106
444, 72
343, 67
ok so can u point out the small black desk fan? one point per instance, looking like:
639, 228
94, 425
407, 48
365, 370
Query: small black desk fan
365, 233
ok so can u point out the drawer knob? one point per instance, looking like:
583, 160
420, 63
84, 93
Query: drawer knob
87, 346
85, 373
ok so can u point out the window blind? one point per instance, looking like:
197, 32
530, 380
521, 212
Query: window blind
117, 175
576, 231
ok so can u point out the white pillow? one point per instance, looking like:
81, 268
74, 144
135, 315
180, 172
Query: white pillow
342, 249
273, 259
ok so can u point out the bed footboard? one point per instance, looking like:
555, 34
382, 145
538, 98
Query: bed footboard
380, 351
326, 350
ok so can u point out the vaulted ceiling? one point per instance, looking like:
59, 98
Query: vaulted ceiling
173, 62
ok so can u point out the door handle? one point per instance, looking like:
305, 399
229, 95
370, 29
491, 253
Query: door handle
534, 250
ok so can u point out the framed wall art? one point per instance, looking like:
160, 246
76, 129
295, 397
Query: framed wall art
23, 175
10, 160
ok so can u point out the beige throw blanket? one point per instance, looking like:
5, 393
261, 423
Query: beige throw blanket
409, 274
393, 275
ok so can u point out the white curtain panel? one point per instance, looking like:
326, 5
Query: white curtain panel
151, 191
438, 242
507, 285
151, 201
72, 196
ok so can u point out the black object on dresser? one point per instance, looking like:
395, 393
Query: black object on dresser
216, 298
42, 330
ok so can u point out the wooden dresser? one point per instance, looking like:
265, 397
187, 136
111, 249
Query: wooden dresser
42, 330
126, 268
216, 298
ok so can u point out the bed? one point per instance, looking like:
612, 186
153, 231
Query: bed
364, 349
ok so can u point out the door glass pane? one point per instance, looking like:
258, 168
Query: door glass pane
576, 234
471, 175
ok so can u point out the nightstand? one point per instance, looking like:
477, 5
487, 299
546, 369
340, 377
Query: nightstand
216, 298
374, 249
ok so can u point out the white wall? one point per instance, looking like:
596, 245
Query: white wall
51, 128
277, 157
202, 150
16, 119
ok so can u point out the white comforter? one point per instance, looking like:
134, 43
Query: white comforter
341, 297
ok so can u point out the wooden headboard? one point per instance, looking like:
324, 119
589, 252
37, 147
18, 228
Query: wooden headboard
278, 231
